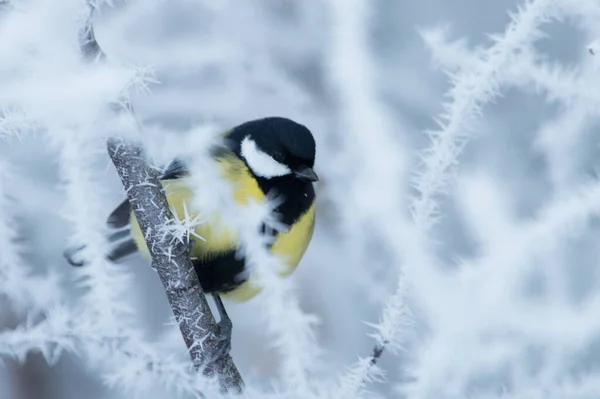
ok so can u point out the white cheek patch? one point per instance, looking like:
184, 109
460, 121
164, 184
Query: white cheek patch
262, 164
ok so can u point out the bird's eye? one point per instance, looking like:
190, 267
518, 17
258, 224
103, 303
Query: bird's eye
278, 156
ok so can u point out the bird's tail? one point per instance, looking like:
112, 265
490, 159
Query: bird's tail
122, 245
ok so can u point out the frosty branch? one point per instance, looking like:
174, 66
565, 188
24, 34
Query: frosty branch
169, 257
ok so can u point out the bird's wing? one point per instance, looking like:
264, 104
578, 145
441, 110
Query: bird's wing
119, 217
175, 170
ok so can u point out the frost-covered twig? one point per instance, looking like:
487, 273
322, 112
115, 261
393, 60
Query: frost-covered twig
568, 87
495, 280
395, 317
16, 281
128, 360
107, 283
526, 69
50, 336
472, 88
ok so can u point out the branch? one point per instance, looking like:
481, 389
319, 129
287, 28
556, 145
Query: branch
169, 257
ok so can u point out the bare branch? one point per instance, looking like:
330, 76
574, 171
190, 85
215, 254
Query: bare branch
169, 257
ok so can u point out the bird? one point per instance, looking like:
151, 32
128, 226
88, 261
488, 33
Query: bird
261, 157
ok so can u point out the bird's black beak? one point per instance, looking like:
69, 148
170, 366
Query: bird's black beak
307, 174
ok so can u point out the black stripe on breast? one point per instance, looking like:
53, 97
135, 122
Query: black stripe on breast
297, 196
221, 274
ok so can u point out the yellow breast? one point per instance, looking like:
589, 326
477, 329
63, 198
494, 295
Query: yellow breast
289, 246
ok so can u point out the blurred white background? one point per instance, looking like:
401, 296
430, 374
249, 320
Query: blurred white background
506, 306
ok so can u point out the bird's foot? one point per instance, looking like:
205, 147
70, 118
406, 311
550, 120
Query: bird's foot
223, 339
225, 329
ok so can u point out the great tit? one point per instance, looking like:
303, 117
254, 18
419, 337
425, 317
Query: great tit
272, 155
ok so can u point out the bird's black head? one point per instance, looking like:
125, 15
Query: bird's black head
275, 147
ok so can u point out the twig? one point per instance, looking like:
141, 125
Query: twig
377, 352
169, 257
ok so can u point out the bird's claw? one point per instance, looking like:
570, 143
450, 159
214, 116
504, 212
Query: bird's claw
223, 339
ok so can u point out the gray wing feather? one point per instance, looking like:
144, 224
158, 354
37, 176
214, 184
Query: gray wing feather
120, 216
176, 169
